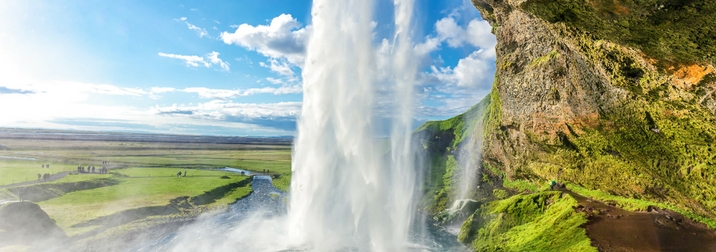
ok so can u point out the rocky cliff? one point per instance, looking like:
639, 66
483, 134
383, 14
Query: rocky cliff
610, 96
604, 94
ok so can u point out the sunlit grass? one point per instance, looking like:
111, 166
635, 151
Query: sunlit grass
543, 221
81, 206
17, 171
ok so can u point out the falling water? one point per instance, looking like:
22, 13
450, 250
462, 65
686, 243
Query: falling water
345, 192
348, 193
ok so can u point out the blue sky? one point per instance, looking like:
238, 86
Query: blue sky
206, 67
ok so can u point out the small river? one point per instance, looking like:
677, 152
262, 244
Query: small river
257, 223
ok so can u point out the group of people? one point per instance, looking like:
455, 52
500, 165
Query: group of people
91, 169
46, 166
43, 177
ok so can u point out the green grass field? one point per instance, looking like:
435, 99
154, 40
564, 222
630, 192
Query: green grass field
146, 189
16, 171
140, 154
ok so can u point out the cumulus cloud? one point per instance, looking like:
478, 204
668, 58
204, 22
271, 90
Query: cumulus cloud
208, 60
279, 67
474, 70
478, 33
284, 38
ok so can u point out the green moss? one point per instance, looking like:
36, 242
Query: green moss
544, 59
499, 193
528, 222
442, 138
674, 32
444, 190
521, 185
493, 113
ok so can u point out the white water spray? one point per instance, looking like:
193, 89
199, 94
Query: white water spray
345, 193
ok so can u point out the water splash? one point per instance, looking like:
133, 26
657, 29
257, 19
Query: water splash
345, 192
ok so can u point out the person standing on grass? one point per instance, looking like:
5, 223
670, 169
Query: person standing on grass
184, 173
39, 176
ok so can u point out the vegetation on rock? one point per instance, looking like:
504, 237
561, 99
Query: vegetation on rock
542, 221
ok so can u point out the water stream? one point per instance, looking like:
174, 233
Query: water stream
255, 223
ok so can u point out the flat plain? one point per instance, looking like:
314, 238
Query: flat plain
143, 181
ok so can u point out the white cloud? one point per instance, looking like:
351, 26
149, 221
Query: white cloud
208, 60
478, 34
225, 94
280, 67
471, 71
199, 31
71, 105
449, 31
220, 109
214, 59
282, 38
275, 81
191, 60
159, 90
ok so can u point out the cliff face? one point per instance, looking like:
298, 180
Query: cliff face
617, 96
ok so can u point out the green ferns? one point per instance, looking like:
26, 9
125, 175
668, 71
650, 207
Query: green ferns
542, 221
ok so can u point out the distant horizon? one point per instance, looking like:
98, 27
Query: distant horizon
79, 131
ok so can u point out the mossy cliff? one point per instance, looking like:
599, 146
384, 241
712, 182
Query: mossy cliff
608, 95
598, 95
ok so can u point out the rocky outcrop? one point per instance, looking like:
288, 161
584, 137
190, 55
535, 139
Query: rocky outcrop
25, 223
610, 112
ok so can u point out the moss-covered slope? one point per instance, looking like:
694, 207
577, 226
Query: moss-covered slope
608, 95
598, 93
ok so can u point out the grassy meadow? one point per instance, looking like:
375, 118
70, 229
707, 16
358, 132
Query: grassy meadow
146, 187
142, 183
17, 171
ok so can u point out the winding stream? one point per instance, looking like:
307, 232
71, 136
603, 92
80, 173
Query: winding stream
257, 223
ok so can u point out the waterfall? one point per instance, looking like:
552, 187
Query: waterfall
346, 192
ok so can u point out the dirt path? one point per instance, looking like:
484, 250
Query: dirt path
53, 177
615, 229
